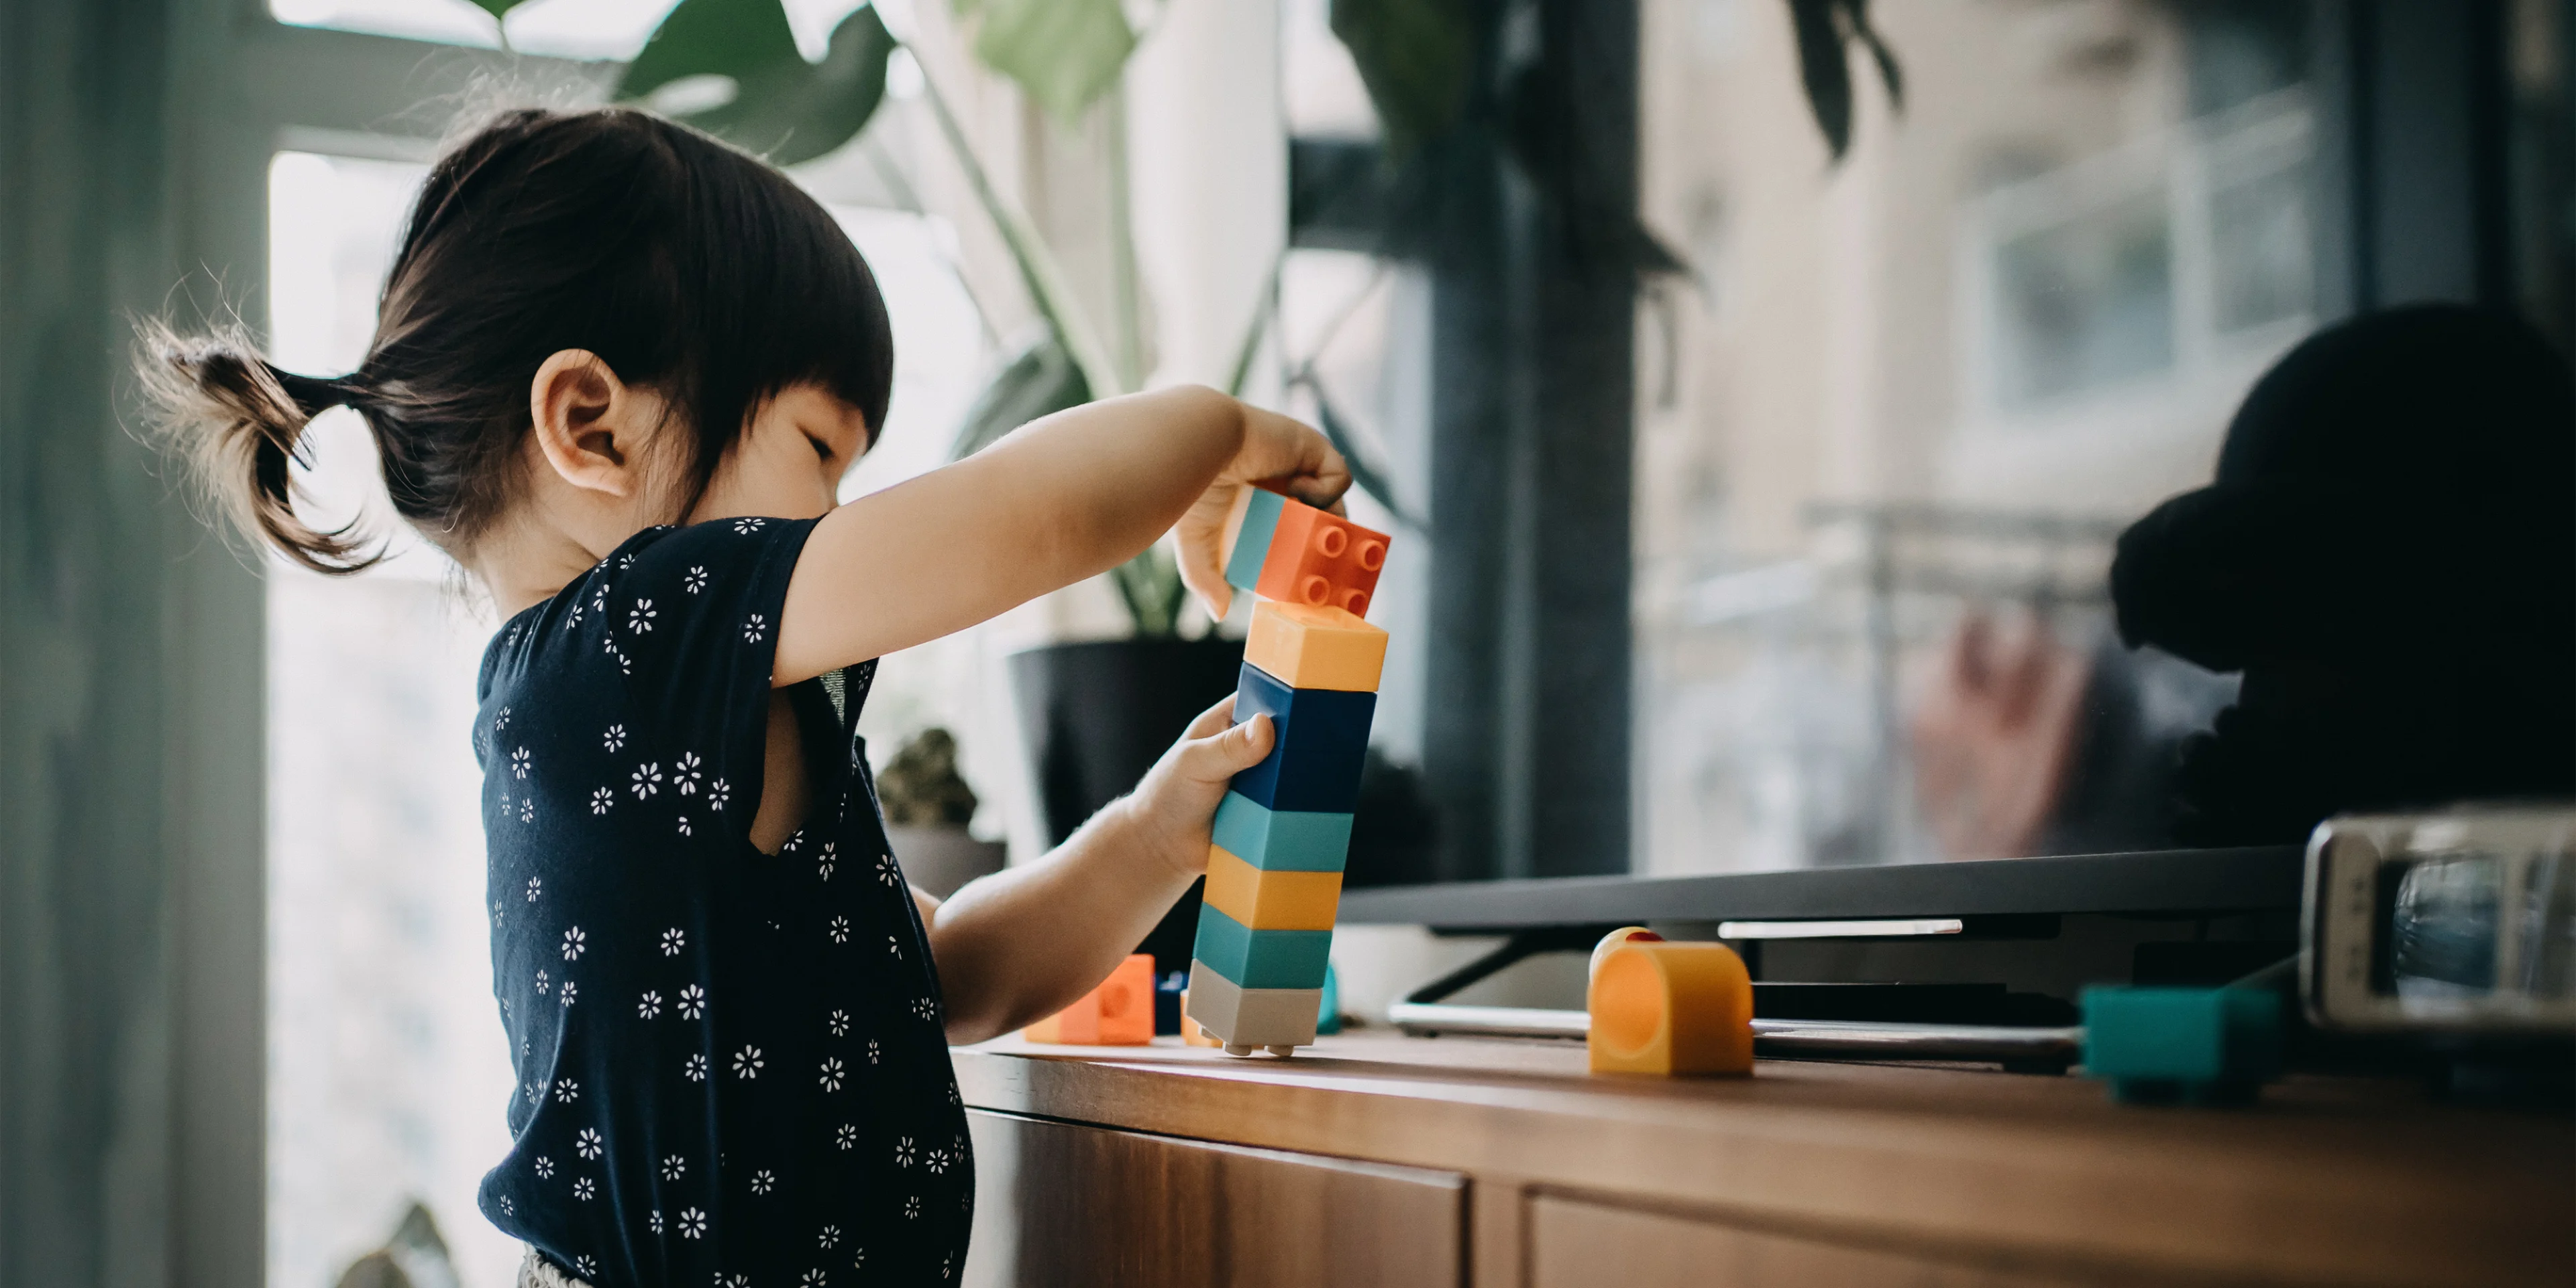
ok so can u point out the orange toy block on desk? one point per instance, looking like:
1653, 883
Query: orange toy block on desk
1118, 1013
1317, 557
1191, 1033
1667, 1008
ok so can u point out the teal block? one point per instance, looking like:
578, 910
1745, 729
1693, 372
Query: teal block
1281, 840
1252, 540
1328, 1013
1262, 958
2193, 1045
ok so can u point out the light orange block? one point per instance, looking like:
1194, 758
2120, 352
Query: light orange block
1264, 900
1120, 1012
1667, 1008
1314, 646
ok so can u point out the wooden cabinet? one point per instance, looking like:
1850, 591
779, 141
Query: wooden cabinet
1065, 1205
1578, 1244
1378, 1159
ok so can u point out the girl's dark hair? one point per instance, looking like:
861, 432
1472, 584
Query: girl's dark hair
687, 266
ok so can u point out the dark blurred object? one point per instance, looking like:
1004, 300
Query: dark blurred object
1395, 832
937, 860
920, 787
2388, 554
1096, 715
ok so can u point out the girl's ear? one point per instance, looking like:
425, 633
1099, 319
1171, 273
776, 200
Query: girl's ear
590, 425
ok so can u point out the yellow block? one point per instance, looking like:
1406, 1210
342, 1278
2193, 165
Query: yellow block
1313, 646
1667, 1008
1271, 900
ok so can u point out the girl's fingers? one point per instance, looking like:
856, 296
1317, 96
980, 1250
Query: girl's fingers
1201, 533
1212, 721
1216, 759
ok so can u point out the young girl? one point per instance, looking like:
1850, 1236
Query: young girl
618, 374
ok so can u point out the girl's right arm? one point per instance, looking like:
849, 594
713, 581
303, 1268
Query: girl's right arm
1061, 499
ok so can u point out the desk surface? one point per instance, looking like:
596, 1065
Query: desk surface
2328, 1180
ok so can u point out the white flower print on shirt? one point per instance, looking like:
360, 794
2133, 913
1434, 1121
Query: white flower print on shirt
859, 1259
912, 1208
872, 1050
693, 1223
717, 795
639, 619
574, 944
535, 884
674, 1167
545, 1168
647, 780
585, 1189
847, 1138
566, 995
588, 1144
763, 1181
567, 1090
812, 1279
894, 945
724, 1280
937, 1160
649, 1007
519, 764
656, 1221
839, 1023
686, 774
542, 985
501, 721
601, 800
507, 1207
696, 1069
673, 941
755, 630
587, 1264
831, 1079
746, 527
887, 871
840, 930
830, 1238
684, 825
625, 561
903, 1152
747, 1063
496, 912
615, 739
528, 810
921, 1007
693, 1002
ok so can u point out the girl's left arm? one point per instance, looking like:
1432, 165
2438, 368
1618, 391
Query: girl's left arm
1019, 945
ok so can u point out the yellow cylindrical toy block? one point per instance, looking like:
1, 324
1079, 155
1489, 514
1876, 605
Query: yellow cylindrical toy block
1667, 1008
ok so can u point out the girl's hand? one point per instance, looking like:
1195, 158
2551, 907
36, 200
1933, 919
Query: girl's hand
1175, 804
1283, 454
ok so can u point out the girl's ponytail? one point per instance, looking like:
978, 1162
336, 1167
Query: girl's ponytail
240, 424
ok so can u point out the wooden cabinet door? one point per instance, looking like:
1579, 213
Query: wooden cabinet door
1578, 1244
1058, 1204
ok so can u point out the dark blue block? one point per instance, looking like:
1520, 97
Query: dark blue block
1322, 739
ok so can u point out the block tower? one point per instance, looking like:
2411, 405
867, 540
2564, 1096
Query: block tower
1274, 875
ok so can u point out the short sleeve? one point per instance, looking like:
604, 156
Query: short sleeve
693, 616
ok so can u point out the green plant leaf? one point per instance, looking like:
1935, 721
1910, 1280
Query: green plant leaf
1417, 59
1064, 53
1150, 583
1366, 474
1825, 31
782, 107
499, 9
1045, 280
1039, 380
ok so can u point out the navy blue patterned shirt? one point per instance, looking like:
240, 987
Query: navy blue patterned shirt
731, 1065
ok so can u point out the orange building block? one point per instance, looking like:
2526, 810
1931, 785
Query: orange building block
1118, 1013
1320, 558
1666, 1008
1314, 646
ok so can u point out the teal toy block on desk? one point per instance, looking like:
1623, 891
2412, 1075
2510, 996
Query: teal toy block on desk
2198, 1046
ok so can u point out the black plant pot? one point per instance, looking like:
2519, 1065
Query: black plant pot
1097, 715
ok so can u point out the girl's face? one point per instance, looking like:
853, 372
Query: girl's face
789, 464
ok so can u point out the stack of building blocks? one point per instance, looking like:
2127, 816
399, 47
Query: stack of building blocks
1668, 1008
1274, 883
1120, 1012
